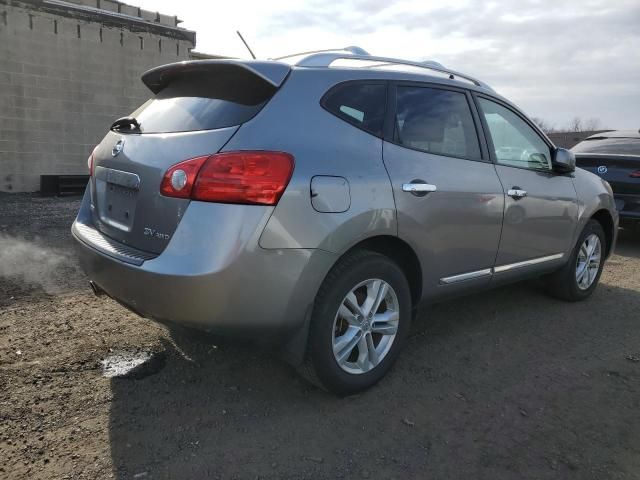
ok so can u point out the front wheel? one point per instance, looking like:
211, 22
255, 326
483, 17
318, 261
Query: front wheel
360, 319
579, 277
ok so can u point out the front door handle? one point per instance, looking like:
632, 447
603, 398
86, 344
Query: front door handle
517, 193
418, 188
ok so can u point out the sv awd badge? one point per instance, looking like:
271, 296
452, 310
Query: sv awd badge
150, 232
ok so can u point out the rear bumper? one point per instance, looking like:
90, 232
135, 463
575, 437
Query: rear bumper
213, 275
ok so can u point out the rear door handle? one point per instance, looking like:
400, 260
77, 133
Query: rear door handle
517, 192
419, 189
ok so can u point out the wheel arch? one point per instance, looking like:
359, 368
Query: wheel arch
400, 252
605, 219
396, 249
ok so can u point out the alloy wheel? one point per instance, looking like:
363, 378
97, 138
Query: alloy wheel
588, 262
365, 326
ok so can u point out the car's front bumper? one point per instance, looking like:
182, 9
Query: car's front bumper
213, 274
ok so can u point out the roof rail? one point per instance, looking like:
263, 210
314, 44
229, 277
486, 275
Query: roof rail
353, 50
324, 58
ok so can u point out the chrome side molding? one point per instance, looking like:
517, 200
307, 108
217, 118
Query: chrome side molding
466, 276
487, 272
527, 263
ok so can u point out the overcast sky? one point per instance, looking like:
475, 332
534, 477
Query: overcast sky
556, 59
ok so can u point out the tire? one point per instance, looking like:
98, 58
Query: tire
335, 321
564, 283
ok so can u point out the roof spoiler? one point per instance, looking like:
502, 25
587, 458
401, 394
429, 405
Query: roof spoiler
273, 73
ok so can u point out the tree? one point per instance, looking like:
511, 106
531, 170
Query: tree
591, 124
575, 125
545, 126
580, 125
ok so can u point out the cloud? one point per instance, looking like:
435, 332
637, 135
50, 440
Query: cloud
555, 58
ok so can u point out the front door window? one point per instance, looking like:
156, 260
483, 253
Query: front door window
515, 143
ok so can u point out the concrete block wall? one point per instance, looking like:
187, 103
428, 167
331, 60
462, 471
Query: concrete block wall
63, 80
115, 6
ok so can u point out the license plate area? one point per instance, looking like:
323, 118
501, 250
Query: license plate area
117, 196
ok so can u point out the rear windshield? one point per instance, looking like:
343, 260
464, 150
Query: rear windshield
614, 146
203, 101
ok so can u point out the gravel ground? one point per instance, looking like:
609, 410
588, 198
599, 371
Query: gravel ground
506, 384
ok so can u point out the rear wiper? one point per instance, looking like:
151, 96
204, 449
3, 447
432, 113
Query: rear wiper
130, 122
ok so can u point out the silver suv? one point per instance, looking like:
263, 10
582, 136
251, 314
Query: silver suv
314, 201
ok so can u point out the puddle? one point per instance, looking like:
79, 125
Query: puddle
132, 363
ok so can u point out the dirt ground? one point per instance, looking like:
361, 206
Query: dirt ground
506, 384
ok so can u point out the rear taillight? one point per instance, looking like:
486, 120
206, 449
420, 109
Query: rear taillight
253, 177
635, 174
178, 180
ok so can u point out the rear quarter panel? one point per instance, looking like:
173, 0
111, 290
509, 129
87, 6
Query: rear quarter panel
322, 144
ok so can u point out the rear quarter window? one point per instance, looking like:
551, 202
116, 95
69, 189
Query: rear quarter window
360, 104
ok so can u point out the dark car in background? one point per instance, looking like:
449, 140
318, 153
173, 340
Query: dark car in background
615, 156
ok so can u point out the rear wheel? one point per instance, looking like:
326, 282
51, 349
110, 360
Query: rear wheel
360, 319
579, 277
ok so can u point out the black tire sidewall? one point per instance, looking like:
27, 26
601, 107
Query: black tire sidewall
331, 296
592, 227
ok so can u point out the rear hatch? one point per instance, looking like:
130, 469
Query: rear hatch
195, 110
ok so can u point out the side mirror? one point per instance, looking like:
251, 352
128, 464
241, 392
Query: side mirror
563, 161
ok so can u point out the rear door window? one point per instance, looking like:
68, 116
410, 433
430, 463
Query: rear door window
202, 101
435, 121
360, 104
